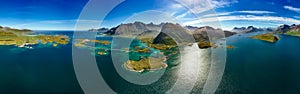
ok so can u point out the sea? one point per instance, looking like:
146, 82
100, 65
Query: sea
252, 67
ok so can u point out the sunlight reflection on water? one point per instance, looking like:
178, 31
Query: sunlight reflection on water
192, 68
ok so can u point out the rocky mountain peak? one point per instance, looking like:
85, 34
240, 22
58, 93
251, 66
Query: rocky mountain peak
249, 29
282, 29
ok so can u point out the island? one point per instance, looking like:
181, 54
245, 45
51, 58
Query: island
142, 50
229, 47
206, 44
26, 38
149, 63
84, 42
269, 37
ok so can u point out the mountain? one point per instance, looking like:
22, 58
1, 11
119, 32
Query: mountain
189, 34
134, 28
139, 28
15, 31
229, 33
249, 29
191, 27
294, 30
282, 29
293, 25
204, 35
112, 31
200, 34
214, 33
171, 34
269, 29
131, 29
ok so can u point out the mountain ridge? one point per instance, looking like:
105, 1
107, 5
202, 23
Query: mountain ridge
171, 33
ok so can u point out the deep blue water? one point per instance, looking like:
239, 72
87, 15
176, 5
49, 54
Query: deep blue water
259, 67
42, 70
254, 67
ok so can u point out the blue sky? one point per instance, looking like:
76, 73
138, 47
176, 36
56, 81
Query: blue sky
226, 14
40, 14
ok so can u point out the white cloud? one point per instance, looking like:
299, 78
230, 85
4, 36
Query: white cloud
221, 3
176, 6
292, 8
244, 18
256, 12
188, 8
218, 14
199, 6
182, 15
229, 13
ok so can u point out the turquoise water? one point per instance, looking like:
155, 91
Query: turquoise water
254, 67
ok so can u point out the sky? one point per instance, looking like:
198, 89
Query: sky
225, 14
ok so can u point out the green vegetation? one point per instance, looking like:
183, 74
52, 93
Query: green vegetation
267, 37
150, 63
141, 50
23, 40
293, 33
147, 62
83, 42
15, 31
57, 39
203, 41
9, 36
206, 44
99, 51
163, 38
159, 46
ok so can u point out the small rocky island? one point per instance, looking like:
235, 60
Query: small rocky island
83, 42
229, 47
149, 63
269, 37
